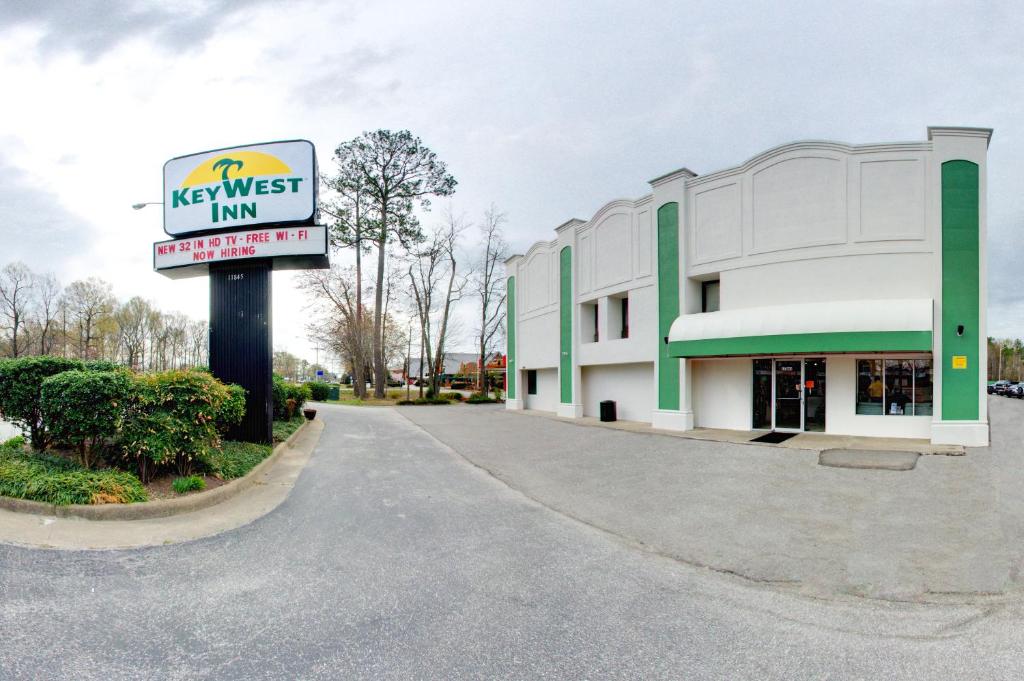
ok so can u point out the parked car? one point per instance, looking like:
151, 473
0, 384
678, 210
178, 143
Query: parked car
999, 388
1015, 390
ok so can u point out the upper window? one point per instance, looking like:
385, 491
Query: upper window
624, 310
709, 296
894, 387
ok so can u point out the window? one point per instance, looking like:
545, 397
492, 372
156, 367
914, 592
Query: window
709, 296
894, 387
531, 382
588, 322
624, 311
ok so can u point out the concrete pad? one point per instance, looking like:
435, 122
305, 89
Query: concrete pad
872, 460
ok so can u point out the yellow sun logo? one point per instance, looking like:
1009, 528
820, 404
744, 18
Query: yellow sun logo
235, 165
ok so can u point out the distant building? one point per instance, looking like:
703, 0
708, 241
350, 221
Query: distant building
818, 286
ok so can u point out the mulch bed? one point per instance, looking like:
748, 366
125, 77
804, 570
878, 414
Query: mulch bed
160, 488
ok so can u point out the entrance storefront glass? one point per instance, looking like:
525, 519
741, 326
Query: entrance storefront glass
789, 394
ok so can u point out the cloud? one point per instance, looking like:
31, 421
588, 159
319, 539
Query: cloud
36, 228
93, 27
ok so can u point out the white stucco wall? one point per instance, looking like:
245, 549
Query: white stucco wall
546, 398
630, 385
722, 393
840, 407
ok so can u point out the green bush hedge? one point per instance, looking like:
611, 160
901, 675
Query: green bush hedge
319, 391
288, 398
84, 409
232, 410
21, 384
424, 400
50, 479
477, 398
452, 396
172, 420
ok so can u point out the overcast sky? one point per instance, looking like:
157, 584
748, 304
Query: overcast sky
547, 109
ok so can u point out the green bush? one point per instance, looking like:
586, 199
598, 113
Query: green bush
85, 408
101, 365
476, 398
235, 459
232, 410
21, 383
53, 480
172, 420
452, 396
319, 392
288, 398
192, 483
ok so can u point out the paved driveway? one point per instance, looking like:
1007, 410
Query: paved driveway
394, 558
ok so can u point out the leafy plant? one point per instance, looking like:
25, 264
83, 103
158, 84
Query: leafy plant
283, 391
235, 459
282, 429
319, 391
85, 408
53, 480
232, 410
21, 384
192, 483
101, 365
452, 396
480, 399
172, 420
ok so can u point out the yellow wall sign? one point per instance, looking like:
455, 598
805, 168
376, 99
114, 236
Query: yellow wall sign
959, 361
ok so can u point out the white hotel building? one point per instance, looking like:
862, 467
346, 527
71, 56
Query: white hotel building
818, 286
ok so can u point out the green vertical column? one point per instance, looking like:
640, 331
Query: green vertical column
960, 290
668, 303
510, 352
565, 324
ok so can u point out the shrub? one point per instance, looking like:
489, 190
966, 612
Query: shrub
16, 442
54, 480
283, 392
85, 408
21, 382
319, 392
477, 398
232, 410
192, 483
452, 396
235, 459
172, 420
282, 429
101, 365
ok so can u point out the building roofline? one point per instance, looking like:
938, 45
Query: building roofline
955, 131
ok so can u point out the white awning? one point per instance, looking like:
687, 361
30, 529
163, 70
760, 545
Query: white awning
838, 326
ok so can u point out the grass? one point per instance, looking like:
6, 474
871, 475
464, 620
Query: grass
235, 459
189, 484
391, 397
53, 480
282, 429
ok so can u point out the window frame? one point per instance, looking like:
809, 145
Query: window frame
704, 295
884, 360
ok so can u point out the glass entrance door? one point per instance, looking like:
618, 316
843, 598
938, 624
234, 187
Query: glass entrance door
814, 394
789, 394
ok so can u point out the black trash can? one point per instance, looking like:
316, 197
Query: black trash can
608, 410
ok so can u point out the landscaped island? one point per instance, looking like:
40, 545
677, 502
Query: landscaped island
98, 433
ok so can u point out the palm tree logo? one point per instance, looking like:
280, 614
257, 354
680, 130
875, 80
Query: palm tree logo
227, 164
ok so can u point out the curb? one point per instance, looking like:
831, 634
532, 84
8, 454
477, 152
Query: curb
161, 508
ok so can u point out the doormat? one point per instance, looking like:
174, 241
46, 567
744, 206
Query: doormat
774, 437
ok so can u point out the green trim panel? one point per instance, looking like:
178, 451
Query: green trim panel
565, 324
510, 350
854, 341
668, 303
961, 266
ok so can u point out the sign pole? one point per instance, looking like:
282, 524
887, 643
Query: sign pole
241, 341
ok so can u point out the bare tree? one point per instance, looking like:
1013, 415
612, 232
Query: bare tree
398, 172
88, 302
132, 320
340, 326
47, 295
16, 282
437, 284
489, 287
